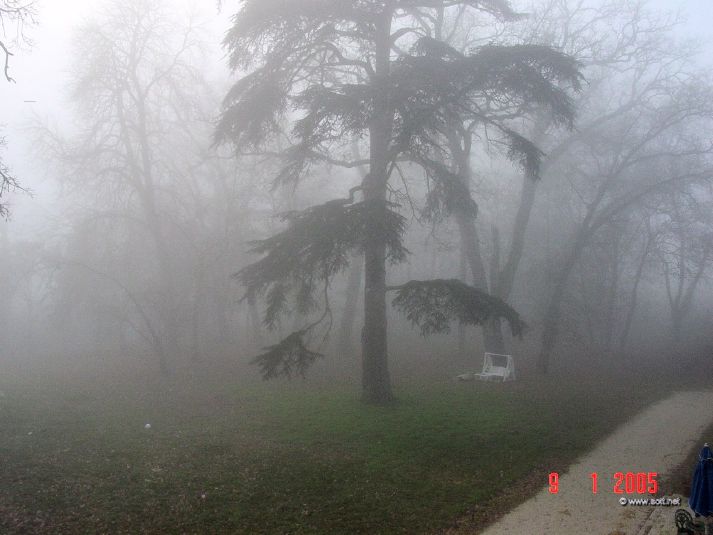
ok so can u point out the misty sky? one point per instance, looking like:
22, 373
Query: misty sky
41, 74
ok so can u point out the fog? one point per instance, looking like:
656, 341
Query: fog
219, 204
261, 191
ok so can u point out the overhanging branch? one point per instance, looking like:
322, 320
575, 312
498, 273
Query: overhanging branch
7, 62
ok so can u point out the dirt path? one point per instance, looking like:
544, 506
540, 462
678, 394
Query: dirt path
656, 440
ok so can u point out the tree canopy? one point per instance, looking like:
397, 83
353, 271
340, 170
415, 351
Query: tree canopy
339, 71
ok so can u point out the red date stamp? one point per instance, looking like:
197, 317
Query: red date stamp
623, 483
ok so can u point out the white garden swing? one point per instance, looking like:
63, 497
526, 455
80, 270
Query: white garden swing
496, 367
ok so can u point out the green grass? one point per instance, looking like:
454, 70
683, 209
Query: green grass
286, 458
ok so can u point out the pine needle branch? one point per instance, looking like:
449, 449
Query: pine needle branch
433, 305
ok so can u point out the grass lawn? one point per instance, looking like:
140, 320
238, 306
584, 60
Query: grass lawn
224, 457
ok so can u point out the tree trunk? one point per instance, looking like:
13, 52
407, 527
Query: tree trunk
470, 246
376, 382
220, 307
681, 305
351, 303
196, 355
461, 328
591, 223
471, 253
633, 301
676, 326
144, 185
470, 249
502, 280
506, 278
493, 329
612, 292
588, 303
168, 305
554, 309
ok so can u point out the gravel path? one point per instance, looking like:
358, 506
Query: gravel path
656, 440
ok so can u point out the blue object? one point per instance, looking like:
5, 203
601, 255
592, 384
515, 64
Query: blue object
701, 500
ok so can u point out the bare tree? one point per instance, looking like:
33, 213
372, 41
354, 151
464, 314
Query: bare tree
8, 182
644, 257
684, 249
136, 92
653, 147
15, 17
607, 38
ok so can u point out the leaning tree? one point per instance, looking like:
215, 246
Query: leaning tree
341, 70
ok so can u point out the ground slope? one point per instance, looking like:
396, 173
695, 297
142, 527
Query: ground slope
656, 440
